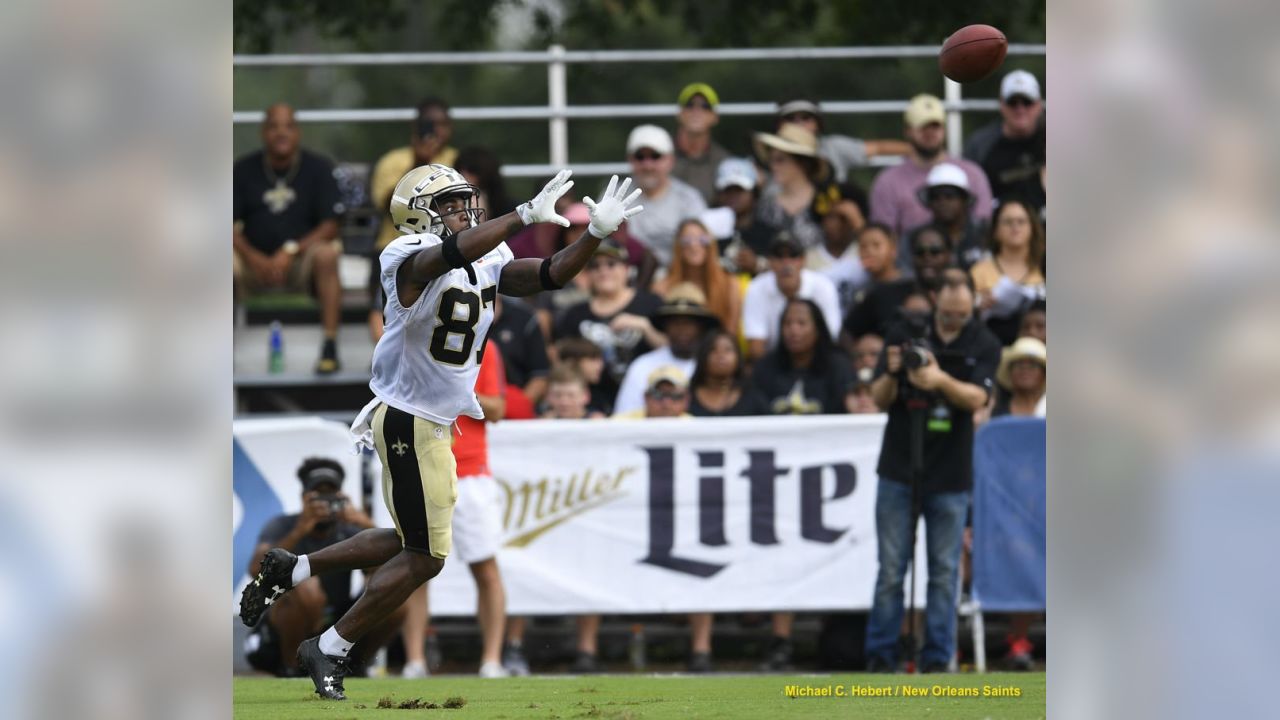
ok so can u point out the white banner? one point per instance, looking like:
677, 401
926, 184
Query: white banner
679, 515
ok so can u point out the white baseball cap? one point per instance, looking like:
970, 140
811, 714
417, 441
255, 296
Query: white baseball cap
948, 174
736, 172
652, 137
1020, 82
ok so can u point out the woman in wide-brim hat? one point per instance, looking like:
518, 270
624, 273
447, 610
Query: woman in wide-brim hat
791, 199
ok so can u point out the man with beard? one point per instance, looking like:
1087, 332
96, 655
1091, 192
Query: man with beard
667, 200
895, 194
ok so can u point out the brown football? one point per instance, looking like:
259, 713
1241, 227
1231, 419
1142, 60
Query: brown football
972, 53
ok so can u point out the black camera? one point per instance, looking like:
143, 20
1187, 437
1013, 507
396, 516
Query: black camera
915, 355
916, 350
335, 502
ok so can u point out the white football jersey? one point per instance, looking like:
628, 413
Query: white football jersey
429, 355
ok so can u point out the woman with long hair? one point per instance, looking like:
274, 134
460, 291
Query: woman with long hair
1009, 279
806, 374
696, 259
719, 386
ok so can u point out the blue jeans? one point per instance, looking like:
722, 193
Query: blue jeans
944, 516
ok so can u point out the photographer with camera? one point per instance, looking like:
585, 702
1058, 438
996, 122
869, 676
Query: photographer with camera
328, 516
934, 372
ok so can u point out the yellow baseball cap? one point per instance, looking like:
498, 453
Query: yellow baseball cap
924, 109
698, 88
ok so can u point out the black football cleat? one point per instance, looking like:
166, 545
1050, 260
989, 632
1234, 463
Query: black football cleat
275, 578
326, 671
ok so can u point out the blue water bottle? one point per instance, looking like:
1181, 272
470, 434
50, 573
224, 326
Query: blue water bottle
275, 362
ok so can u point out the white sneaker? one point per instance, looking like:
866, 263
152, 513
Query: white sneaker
493, 670
414, 670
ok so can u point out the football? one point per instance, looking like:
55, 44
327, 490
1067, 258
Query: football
972, 53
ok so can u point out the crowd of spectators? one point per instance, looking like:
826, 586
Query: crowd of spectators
754, 285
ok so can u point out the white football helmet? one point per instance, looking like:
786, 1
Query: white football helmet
413, 202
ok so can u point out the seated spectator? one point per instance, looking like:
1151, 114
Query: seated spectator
684, 319
946, 193
748, 241
285, 233
697, 153
666, 199
1011, 150
1023, 370
878, 253
588, 359
568, 395
842, 153
719, 386
1009, 279
1035, 322
516, 332
790, 200
328, 516
429, 138
806, 373
895, 193
697, 261
866, 353
769, 293
837, 255
482, 168
615, 317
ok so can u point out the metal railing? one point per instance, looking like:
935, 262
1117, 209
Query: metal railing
557, 112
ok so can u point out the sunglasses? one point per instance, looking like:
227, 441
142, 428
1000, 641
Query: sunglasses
946, 194
799, 117
666, 395
932, 250
1019, 101
696, 240
643, 156
698, 103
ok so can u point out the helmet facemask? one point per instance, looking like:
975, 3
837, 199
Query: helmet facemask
431, 206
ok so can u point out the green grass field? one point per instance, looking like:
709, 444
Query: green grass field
643, 697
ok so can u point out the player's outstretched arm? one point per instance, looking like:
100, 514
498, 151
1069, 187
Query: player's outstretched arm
530, 275
474, 243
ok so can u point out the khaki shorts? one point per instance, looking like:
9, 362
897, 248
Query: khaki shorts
419, 479
297, 280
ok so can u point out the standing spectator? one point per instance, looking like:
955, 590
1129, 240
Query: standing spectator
429, 139
748, 242
946, 193
842, 152
769, 293
697, 261
789, 202
697, 154
1012, 149
524, 355
328, 516
719, 385
684, 319
666, 199
481, 168
477, 515
895, 199
955, 381
1009, 280
615, 317
930, 254
837, 255
285, 233
806, 373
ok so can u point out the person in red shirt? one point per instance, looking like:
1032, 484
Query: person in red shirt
477, 516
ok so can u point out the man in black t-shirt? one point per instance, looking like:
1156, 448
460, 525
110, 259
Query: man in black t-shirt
524, 352
942, 395
286, 211
1011, 150
328, 516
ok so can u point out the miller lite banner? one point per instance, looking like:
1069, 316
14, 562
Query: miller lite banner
682, 515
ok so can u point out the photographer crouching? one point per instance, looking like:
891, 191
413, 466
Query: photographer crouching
328, 516
933, 373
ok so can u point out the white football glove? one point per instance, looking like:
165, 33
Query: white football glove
542, 208
612, 209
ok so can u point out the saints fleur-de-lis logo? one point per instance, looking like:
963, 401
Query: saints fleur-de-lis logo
279, 198
400, 447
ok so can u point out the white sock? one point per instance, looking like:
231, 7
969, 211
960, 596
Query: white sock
302, 570
331, 643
